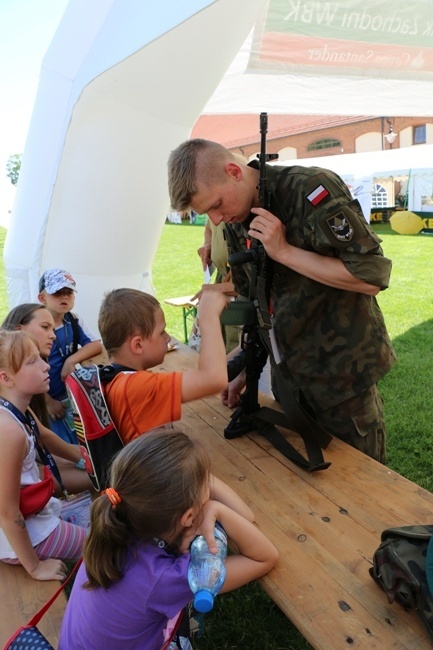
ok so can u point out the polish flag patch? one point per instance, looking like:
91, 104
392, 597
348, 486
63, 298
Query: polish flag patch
317, 195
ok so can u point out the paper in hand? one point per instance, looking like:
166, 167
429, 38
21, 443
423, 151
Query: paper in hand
208, 273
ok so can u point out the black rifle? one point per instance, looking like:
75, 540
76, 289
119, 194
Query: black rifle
256, 346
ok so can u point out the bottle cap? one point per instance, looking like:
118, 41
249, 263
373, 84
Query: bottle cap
203, 601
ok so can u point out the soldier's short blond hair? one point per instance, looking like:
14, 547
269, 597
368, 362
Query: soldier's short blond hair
192, 161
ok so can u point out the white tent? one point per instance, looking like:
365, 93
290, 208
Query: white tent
347, 57
374, 163
124, 82
361, 171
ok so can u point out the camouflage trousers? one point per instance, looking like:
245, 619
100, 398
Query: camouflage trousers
358, 421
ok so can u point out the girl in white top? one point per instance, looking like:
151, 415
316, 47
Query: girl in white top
36, 320
41, 541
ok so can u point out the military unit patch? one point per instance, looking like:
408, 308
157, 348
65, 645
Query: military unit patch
317, 195
340, 227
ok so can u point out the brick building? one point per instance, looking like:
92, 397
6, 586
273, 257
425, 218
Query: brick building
306, 136
309, 136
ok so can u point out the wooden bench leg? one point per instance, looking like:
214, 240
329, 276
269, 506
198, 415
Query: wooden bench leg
186, 312
188, 309
185, 333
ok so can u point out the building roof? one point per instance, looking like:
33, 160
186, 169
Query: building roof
241, 129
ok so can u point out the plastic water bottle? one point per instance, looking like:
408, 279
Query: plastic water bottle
206, 571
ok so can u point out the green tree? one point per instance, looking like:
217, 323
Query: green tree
13, 167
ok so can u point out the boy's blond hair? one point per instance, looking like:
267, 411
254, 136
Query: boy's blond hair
124, 313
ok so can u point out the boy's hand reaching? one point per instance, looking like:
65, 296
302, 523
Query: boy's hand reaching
212, 301
222, 287
210, 376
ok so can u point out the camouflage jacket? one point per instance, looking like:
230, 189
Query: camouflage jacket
334, 342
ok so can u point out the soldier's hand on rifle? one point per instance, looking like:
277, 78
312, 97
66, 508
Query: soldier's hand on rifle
269, 230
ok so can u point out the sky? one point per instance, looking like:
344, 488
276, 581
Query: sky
26, 30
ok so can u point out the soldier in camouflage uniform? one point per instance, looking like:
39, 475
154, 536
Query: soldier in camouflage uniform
327, 268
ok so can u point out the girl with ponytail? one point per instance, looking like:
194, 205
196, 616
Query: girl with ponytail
133, 585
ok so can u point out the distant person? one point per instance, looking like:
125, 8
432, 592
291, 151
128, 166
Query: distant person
325, 268
214, 252
35, 319
73, 343
42, 541
133, 585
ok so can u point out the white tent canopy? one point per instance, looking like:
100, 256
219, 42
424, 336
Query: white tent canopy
361, 170
347, 57
124, 82
373, 162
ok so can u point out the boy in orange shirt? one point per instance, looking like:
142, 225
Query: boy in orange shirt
132, 327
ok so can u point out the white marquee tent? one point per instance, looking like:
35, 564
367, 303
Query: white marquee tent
123, 83
361, 170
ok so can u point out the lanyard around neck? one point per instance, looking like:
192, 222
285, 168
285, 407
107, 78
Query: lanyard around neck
29, 421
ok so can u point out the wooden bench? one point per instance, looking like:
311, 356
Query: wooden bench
326, 526
21, 597
189, 309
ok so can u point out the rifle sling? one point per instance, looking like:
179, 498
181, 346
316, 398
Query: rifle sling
267, 428
295, 418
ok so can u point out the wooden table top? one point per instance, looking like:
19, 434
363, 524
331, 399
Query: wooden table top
325, 524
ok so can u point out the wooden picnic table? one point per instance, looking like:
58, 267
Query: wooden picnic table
326, 526
189, 311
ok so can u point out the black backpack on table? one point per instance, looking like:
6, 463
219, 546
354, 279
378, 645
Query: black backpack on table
403, 568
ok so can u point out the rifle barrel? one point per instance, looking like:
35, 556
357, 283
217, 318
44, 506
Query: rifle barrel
262, 177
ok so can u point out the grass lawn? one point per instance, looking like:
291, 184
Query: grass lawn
177, 270
248, 618
407, 389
